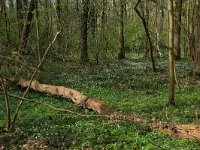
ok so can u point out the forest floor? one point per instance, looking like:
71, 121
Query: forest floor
128, 86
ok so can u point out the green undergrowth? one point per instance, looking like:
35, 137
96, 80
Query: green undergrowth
128, 86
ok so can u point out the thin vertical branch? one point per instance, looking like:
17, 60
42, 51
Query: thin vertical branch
147, 34
32, 77
8, 116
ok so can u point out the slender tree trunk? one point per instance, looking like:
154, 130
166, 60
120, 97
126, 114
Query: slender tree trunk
103, 38
197, 56
7, 23
187, 41
171, 53
59, 25
157, 34
192, 28
1, 6
92, 19
103, 15
84, 29
8, 114
145, 15
162, 19
19, 15
37, 31
27, 26
147, 34
177, 29
121, 53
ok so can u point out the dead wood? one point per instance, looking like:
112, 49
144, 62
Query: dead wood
185, 131
76, 97
53, 107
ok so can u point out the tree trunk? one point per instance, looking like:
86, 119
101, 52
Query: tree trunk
145, 15
7, 106
1, 6
171, 53
177, 29
19, 15
84, 29
191, 28
187, 38
27, 26
103, 37
147, 34
7, 23
59, 24
157, 34
93, 19
103, 15
197, 56
121, 53
37, 24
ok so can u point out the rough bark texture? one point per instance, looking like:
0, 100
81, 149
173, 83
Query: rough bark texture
185, 131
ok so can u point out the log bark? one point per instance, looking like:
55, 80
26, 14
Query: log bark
75, 96
185, 131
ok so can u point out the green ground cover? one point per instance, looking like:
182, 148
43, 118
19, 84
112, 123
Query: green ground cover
128, 86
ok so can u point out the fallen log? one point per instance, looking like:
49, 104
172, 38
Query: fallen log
185, 131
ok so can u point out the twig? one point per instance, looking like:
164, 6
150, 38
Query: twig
156, 144
32, 77
54, 108
5, 92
